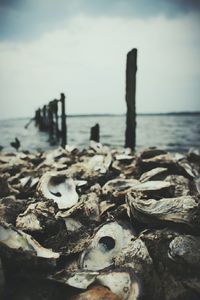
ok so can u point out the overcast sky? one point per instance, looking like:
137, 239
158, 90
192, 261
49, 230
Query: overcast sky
79, 47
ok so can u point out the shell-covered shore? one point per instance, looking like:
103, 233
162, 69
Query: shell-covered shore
100, 223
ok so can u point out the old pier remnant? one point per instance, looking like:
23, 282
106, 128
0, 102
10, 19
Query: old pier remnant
131, 69
47, 120
94, 133
63, 121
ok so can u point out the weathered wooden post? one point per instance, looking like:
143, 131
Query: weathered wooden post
55, 105
131, 69
51, 124
63, 121
94, 133
39, 119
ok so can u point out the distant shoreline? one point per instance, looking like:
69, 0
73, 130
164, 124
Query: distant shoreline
183, 113
138, 114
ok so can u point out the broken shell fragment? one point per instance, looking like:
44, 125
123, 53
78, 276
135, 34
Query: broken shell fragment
119, 186
154, 188
120, 281
18, 240
100, 163
37, 217
181, 210
124, 157
86, 209
111, 238
154, 174
59, 188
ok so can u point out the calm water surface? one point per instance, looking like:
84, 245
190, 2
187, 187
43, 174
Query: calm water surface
170, 132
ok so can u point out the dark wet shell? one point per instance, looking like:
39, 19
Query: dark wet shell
185, 249
161, 161
179, 281
137, 257
10, 208
151, 152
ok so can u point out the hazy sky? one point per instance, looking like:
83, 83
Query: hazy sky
79, 47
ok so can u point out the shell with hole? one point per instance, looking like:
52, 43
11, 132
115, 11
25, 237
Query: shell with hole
109, 239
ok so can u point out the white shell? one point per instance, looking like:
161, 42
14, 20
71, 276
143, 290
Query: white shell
17, 239
59, 188
109, 240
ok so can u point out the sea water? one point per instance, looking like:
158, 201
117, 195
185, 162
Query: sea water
170, 132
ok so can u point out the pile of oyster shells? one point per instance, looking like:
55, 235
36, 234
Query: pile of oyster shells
99, 224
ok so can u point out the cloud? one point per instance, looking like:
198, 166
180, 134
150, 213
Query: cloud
27, 19
86, 60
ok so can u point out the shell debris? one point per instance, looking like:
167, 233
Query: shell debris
100, 223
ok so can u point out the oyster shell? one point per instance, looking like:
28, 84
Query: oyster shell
181, 210
185, 249
119, 187
38, 216
136, 256
121, 281
87, 209
59, 188
152, 152
111, 238
98, 147
18, 240
162, 161
180, 183
90, 167
179, 279
154, 174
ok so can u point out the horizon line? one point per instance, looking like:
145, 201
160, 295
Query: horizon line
117, 114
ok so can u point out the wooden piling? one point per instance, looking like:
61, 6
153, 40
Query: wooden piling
94, 133
131, 69
63, 121
44, 118
51, 124
55, 102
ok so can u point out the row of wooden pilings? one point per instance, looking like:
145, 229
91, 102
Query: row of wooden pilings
47, 118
